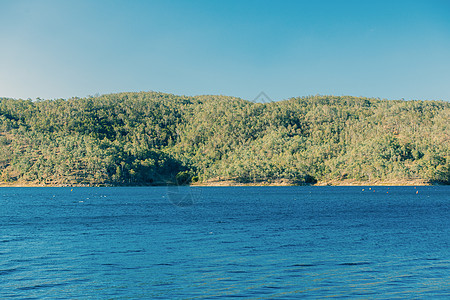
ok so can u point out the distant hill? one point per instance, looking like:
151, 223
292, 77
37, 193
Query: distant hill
153, 138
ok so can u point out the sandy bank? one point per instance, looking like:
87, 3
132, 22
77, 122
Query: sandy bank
281, 182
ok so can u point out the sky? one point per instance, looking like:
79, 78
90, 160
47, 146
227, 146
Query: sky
383, 49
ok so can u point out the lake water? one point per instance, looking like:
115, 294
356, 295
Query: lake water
224, 242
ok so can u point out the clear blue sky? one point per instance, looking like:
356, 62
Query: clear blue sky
387, 49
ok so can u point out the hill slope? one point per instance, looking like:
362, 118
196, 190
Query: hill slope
154, 138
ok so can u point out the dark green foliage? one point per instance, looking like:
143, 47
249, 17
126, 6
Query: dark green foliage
153, 138
183, 178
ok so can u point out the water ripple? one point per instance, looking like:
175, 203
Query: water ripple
133, 245
10, 271
354, 263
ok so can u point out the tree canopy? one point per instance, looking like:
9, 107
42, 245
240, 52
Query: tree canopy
151, 138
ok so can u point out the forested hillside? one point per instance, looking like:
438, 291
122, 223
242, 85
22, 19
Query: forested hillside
153, 138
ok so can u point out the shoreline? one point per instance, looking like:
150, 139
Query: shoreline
231, 183
399, 182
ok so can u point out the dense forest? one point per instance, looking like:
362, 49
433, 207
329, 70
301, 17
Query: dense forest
150, 138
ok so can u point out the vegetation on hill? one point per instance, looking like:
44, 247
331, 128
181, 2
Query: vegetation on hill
154, 138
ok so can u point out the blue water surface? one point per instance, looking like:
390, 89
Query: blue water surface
223, 242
